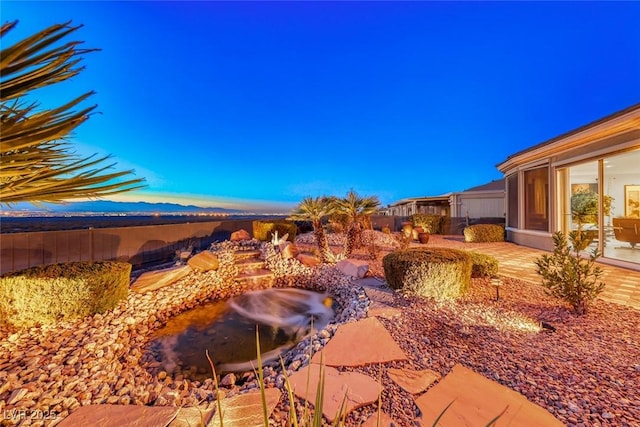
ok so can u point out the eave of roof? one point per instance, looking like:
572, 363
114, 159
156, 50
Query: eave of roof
611, 125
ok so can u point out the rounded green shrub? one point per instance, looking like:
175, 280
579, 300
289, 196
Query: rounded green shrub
438, 273
49, 293
430, 223
484, 233
263, 230
483, 265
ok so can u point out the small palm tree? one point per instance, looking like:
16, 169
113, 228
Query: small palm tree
357, 209
315, 209
35, 162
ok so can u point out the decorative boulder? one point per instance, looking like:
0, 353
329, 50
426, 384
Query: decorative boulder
288, 250
240, 235
153, 280
204, 261
309, 260
353, 267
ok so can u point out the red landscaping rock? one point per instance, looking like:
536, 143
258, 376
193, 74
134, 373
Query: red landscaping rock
240, 235
308, 259
353, 267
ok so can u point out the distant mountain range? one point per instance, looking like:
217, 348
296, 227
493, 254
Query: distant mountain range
107, 206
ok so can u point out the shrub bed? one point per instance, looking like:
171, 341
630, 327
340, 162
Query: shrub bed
483, 265
54, 292
431, 224
263, 230
484, 233
438, 273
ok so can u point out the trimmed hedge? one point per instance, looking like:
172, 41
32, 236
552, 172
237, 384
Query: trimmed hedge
438, 273
483, 265
263, 230
46, 294
430, 223
484, 233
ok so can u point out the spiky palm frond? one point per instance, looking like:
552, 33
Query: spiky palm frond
36, 161
356, 208
315, 209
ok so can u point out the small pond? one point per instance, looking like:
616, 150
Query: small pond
227, 329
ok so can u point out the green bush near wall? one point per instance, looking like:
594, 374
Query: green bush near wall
438, 273
430, 223
483, 265
484, 233
46, 294
263, 230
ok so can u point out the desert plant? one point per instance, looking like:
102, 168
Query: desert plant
315, 209
36, 161
357, 209
439, 273
483, 265
568, 276
369, 242
264, 230
54, 292
404, 240
484, 233
429, 223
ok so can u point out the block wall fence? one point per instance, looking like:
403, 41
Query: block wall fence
141, 245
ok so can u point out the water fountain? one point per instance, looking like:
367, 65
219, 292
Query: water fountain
227, 329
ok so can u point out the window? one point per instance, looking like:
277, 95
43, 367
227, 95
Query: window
512, 201
536, 200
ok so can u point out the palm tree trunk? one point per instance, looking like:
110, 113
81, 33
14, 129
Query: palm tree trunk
321, 241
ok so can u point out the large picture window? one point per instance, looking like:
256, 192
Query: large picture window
512, 203
536, 206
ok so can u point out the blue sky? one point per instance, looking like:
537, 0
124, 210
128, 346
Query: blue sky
258, 104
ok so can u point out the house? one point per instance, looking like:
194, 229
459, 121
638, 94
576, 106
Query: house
484, 203
587, 179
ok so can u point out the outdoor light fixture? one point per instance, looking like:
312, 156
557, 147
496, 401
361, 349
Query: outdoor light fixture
496, 283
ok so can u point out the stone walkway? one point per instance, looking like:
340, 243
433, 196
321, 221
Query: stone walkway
622, 285
476, 399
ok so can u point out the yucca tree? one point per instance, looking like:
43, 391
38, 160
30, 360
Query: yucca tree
36, 163
357, 209
315, 209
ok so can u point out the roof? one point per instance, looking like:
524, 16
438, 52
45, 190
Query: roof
573, 132
495, 185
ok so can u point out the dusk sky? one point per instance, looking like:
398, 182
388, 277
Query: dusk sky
256, 105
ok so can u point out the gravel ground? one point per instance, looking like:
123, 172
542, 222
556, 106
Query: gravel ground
586, 373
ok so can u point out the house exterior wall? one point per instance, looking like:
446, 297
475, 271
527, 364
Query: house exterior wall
544, 168
478, 204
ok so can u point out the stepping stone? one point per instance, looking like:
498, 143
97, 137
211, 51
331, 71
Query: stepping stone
381, 301
360, 343
371, 282
385, 421
477, 400
135, 415
204, 261
245, 410
359, 389
413, 381
152, 280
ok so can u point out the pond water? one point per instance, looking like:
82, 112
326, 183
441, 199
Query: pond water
227, 329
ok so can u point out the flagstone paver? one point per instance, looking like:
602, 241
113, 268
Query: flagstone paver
245, 410
413, 381
385, 421
477, 400
135, 415
360, 343
352, 388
